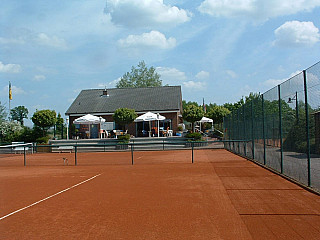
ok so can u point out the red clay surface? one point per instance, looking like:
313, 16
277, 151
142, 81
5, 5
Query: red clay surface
162, 196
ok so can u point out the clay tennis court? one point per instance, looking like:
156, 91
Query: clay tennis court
162, 196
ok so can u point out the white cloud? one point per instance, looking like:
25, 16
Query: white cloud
203, 75
297, 33
145, 13
231, 73
270, 83
195, 85
10, 68
15, 91
39, 78
51, 41
111, 84
11, 40
226, 8
260, 10
154, 39
171, 75
313, 80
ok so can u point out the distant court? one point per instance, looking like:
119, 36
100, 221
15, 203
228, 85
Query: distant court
162, 196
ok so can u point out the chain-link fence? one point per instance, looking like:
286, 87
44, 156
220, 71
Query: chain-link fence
281, 128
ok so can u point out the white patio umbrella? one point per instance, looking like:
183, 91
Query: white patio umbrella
89, 119
205, 119
148, 117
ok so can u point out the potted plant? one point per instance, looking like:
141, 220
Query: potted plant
123, 141
196, 138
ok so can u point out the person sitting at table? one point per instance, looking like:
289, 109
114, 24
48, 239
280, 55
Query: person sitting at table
167, 132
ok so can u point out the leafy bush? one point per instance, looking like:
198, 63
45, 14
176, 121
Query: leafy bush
10, 131
42, 140
194, 136
124, 138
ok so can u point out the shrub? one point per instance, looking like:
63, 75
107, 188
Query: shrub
124, 138
42, 140
10, 131
194, 136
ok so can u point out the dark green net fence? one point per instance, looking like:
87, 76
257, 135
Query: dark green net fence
281, 128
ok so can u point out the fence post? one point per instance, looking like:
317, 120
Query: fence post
263, 132
24, 156
75, 156
307, 124
244, 131
280, 128
297, 107
252, 129
192, 145
132, 153
238, 132
233, 128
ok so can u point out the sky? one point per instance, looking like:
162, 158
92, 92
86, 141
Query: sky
217, 50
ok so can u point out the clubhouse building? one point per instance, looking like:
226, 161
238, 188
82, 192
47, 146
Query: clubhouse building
166, 101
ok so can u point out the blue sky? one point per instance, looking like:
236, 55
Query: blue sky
219, 50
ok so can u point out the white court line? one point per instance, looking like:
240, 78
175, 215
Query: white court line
49, 197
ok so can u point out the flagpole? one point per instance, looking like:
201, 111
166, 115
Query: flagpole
10, 97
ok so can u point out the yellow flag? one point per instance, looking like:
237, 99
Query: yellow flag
10, 91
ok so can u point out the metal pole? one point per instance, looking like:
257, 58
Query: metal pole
297, 107
132, 154
244, 131
192, 145
252, 129
280, 128
75, 156
238, 126
233, 131
163, 144
263, 132
24, 156
307, 125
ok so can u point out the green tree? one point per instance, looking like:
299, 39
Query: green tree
217, 113
192, 113
10, 131
44, 119
59, 123
124, 116
3, 113
234, 106
19, 113
142, 76
185, 104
